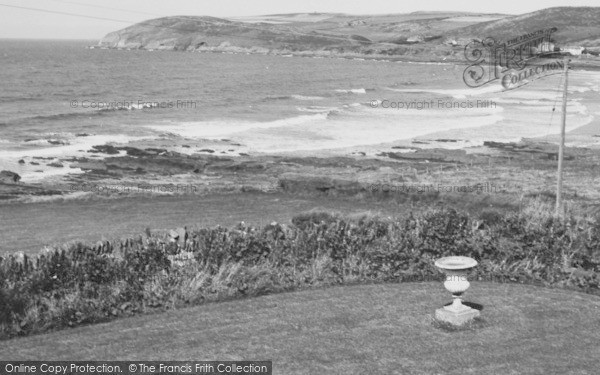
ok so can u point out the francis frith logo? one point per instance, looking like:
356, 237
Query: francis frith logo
513, 63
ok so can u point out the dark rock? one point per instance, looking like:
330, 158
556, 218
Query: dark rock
244, 166
175, 154
9, 177
207, 150
156, 151
56, 165
21, 161
132, 151
34, 163
82, 135
435, 155
186, 146
105, 149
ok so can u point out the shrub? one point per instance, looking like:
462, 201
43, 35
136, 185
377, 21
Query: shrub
85, 284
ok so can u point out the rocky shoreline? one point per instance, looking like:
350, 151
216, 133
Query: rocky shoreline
125, 171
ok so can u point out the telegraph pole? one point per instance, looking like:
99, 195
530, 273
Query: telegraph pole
561, 148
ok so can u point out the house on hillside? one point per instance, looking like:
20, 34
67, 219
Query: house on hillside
546, 47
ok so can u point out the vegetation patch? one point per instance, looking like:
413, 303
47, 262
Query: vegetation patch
92, 283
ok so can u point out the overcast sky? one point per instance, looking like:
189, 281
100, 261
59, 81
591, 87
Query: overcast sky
29, 23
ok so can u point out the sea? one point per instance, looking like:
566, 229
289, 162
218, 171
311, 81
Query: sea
58, 99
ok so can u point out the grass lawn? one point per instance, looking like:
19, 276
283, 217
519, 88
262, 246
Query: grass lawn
366, 329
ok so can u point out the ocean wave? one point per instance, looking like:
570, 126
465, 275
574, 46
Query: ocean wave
12, 99
227, 128
87, 113
76, 146
530, 102
294, 97
574, 89
352, 91
317, 109
425, 63
61, 116
302, 97
46, 142
455, 93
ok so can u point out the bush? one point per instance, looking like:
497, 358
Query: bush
86, 284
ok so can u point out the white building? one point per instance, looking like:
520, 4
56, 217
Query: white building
545, 47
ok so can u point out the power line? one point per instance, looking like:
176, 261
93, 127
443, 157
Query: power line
64, 13
129, 22
103, 7
294, 33
238, 24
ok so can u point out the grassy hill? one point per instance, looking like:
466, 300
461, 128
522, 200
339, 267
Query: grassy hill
391, 34
576, 25
292, 32
197, 33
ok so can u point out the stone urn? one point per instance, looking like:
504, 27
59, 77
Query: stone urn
455, 268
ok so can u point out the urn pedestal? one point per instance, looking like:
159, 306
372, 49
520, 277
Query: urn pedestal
456, 268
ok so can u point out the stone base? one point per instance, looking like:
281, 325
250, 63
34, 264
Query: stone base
456, 318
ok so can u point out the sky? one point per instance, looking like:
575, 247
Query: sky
36, 24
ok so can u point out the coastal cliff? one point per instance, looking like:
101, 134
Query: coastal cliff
436, 34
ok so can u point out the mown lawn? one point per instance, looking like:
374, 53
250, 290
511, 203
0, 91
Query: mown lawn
366, 329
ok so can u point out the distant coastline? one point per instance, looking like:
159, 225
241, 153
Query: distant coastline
420, 36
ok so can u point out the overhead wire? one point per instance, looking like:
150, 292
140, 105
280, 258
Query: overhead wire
294, 32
